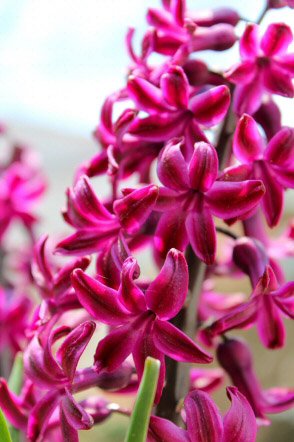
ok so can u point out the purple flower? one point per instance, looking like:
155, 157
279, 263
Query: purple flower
265, 66
205, 423
272, 164
192, 195
96, 226
140, 317
235, 357
266, 307
174, 110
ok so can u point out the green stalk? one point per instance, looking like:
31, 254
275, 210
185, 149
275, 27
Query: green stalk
138, 428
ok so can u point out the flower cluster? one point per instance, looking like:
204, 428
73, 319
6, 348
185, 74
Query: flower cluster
186, 153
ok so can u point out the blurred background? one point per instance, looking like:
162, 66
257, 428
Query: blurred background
59, 59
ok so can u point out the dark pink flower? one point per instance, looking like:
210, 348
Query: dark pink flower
193, 195
96, 227
205, 423
265, 67
235, 357
174, 110
141, 317
266, 307
275, 4
273, 164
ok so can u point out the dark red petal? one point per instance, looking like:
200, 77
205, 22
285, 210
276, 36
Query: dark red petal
247, 97
99, 300
209, 108
239, 422
203, 167
248, 144
233, 199
166, 295
134, 209
146, 96
170, 232
172, 168
175, 87
160, 127
130, 294
280, 149
164, 430
269, 323
76, 416
73, 347
249, 43
204, 421
277, 82
178, 346
276, 39
202, 236
113, 350
10, 406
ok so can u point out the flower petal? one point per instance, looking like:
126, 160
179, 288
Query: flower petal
99, 300
161, 127
270, 326
76, 416
204, 421
170, 232
10, 405
67, 431
243, 72
280, 149
202, 235
172, 168
164, 430
146, 96
286, 63
233, 199
239, 422
210, 108
175, 87
73, 347
277, 82
134, 209
40, 415
248, 144
278, 399
249, 43
247, 97
113, 350
178, 346
166, 295
276, 39
130, 294
203, 167
273, 201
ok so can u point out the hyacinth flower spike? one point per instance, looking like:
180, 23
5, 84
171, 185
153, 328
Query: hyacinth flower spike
265, 67
141, 317
192, 195
273, 164
95, 226
205, 423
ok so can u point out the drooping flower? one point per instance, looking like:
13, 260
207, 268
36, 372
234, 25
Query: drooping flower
265, 67
205, 423
140, 316
192, 195
235, 357
272, 164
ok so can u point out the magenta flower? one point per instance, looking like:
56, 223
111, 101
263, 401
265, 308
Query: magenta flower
275, 4
272, 164
173, 110
192, 195
235, 357
205, 423
266, 307
141, 317
96, 226
265, 67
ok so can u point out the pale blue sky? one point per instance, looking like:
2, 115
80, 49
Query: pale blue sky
60, 58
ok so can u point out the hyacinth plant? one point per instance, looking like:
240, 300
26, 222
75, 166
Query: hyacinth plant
191, 156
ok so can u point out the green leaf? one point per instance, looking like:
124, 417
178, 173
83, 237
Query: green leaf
15, 384
138, 428
4, 432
